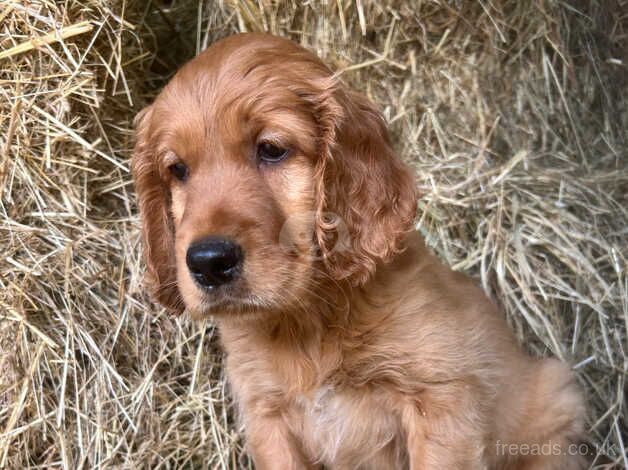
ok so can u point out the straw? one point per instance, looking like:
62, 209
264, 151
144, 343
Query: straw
514, 115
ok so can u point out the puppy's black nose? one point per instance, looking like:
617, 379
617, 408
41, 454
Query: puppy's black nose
214, 261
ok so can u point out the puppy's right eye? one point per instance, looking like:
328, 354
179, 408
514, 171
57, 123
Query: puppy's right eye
179, 170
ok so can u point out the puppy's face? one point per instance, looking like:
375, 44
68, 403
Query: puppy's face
240, 184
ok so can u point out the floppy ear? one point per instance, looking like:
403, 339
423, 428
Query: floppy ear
363, 184
157, 230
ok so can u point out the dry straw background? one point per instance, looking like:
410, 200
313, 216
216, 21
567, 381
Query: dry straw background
514, 114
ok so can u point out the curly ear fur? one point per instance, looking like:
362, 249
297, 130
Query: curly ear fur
362, 182
157, 230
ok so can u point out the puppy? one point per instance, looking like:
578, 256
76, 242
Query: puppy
271, 199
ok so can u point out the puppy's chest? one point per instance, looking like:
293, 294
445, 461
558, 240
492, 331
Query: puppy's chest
347, 427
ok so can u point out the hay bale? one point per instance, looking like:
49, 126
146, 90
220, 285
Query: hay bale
514, 115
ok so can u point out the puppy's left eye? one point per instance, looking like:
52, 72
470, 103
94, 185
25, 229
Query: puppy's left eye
271, 153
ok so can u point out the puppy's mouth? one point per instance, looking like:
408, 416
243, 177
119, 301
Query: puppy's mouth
231, 298
225, 303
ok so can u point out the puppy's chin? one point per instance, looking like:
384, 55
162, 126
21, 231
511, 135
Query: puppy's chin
226, 303
224, 310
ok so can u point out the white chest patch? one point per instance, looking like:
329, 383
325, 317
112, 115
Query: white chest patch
351, 429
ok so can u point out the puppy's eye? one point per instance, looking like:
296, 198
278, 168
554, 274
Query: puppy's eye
179, 170
271, 153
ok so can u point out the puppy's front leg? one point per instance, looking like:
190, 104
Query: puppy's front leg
443, 439
272, 446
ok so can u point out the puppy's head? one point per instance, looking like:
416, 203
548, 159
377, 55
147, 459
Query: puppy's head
258, 175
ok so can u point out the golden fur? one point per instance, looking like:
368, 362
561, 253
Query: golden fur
349, 345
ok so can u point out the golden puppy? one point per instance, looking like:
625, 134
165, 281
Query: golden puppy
271, 198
